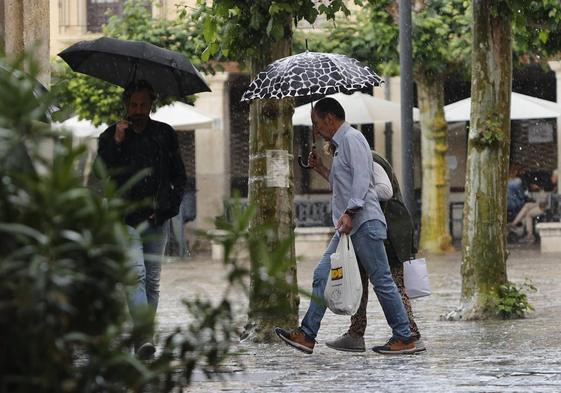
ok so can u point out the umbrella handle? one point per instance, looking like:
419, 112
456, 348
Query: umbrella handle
302, 163
305, 164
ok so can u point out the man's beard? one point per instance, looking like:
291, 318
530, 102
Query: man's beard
137, 120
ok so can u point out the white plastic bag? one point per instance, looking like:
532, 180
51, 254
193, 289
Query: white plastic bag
344, 286
416, 278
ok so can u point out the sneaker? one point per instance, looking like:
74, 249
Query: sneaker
347, 343
296, 338
145, 351
397, 346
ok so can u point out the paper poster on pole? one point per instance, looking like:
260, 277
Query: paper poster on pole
277, 168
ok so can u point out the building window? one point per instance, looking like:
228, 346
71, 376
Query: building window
98, 12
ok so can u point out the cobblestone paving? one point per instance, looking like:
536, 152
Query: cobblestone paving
485, 356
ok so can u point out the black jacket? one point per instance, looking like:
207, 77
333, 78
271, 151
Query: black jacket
164, 187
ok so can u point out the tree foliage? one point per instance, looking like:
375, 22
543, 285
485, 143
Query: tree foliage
241, 30
99, 101
536, 29
440, 36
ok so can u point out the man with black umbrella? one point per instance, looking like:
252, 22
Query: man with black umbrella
128, 147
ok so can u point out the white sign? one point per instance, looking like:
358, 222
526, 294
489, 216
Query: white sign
277, 168
540, 133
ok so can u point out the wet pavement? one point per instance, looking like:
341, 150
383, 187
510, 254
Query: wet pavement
482, 356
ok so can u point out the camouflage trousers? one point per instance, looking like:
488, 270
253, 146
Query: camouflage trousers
359, 320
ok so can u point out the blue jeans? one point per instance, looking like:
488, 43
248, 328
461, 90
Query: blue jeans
368, 243
146, 253
187, 212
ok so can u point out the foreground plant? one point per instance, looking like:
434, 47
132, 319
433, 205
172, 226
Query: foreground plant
64, 326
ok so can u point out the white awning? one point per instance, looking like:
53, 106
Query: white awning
80, 128
359, 108
521, 107
182, 116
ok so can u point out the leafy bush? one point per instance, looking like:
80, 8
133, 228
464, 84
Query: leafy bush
63, 270
62, 259
513, 302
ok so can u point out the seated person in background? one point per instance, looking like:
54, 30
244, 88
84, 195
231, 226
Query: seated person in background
529, 211
516, 197
554, 178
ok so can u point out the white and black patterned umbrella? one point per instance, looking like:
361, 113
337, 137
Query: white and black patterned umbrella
311, 74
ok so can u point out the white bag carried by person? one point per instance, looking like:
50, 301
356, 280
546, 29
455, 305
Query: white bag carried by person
344, 286
416, 278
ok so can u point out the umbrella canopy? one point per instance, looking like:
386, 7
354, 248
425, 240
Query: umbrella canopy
121, 62
521, 107
311, 74
182, 117
80, 128
359, 108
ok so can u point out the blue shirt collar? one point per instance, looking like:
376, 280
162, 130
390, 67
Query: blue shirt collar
340, 134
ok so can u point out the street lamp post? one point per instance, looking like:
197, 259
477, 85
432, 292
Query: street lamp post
406, 83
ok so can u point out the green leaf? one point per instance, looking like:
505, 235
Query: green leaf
209, 29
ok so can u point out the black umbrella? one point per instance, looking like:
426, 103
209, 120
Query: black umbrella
311, 74
121, 62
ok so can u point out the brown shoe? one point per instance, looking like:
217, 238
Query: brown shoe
297, 339
397, 346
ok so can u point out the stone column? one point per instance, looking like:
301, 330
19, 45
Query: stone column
556, 67
26, 27
13, 27
36, 35
212, 153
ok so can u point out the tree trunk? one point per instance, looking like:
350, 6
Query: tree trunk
435, 236
484, 237
271, 192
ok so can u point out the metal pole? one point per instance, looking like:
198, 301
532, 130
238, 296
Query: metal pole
406, 76
388, 130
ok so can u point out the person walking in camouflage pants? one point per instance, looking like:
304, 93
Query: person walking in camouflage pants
399, 248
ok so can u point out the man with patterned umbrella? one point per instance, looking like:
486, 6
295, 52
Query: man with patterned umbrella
313, 75
356, 209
